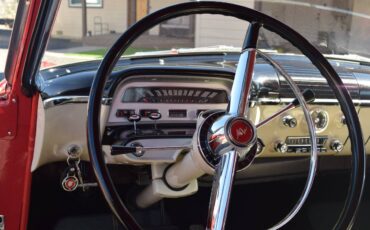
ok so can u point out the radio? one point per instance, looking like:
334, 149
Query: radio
303, 144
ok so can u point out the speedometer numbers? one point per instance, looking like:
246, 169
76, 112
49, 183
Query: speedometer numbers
174, 95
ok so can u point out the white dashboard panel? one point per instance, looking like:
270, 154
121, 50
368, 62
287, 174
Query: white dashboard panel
164, 108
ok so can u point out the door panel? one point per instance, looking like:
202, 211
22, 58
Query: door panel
18, 120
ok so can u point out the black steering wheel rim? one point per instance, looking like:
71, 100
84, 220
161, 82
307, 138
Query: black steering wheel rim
105, 182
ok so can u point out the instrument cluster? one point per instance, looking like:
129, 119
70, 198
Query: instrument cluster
167, 100
178, 95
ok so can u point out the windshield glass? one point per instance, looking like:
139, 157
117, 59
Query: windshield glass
338, 28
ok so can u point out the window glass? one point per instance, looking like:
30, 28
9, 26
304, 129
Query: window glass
89, 3
8, 10
337, 28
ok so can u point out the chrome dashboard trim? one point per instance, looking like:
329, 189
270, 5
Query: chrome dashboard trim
55, 101
324, 101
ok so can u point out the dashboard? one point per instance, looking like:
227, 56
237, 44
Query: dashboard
177, 101
155, 106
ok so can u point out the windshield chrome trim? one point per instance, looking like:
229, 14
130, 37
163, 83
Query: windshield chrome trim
324, 101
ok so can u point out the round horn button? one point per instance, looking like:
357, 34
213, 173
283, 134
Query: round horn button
240, 132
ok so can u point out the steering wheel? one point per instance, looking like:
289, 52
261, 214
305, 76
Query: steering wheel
235, 133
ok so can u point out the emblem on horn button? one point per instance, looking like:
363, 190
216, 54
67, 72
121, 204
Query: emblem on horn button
240, 132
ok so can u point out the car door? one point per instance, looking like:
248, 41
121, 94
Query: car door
18, 113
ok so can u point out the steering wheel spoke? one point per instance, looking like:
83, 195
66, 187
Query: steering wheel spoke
244, 72
221, 190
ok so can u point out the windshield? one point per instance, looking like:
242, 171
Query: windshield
338, 28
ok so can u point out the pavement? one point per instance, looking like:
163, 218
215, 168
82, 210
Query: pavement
67, 56
54, 56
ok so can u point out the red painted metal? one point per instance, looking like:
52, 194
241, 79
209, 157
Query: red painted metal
16, 153
8, 113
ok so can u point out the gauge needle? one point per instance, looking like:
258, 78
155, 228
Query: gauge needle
308, 95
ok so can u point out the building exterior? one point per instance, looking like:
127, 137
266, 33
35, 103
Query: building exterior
310, 19
8, 10
103, 17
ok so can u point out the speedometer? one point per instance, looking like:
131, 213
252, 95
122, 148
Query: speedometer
174, 95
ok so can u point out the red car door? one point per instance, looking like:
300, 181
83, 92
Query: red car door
18, 114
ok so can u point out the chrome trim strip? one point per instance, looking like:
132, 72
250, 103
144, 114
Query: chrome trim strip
317, 101
2, 222
55, 101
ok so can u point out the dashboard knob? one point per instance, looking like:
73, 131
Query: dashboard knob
336, 146
155, 116
281, 147
320, 119
134, 118
290, 121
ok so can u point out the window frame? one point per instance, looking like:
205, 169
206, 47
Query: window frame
88, 5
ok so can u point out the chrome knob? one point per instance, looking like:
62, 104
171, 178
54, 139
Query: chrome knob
281, 147
336, 146
139, 149
134, 118
155, 116
260, 146
290, 121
